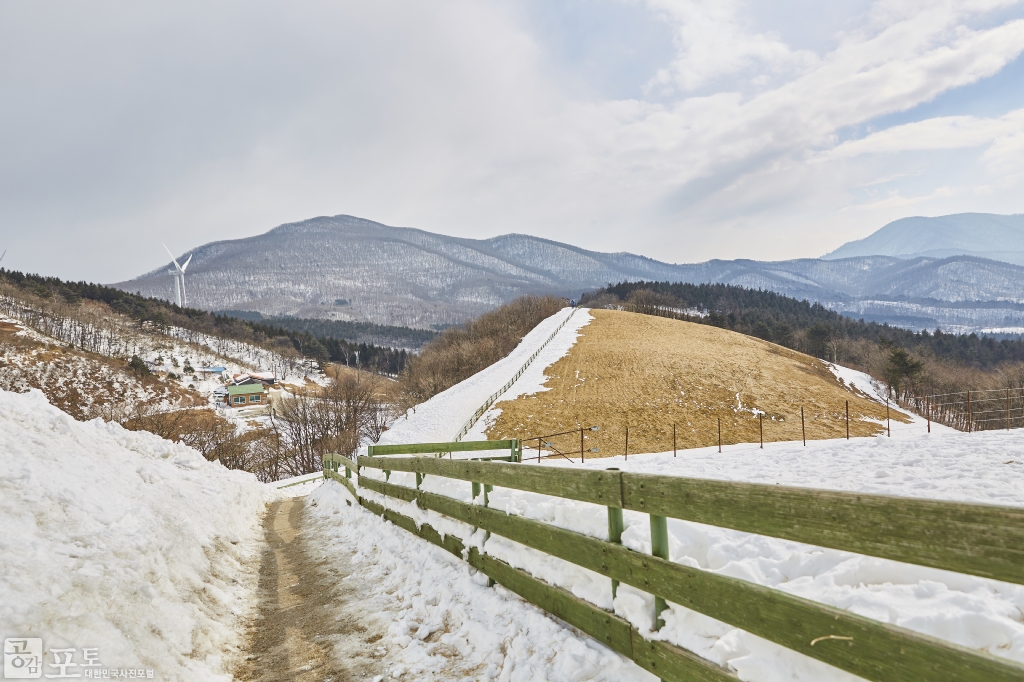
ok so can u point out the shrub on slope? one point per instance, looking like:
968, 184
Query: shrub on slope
460, 352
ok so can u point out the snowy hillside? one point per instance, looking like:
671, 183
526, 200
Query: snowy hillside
348, 268
124, 543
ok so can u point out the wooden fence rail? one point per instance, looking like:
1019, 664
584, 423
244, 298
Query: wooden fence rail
982, 540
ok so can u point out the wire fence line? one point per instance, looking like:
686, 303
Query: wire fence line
497, 394
985, 410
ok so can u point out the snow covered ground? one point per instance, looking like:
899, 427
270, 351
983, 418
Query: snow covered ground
446, 624
983, 614
440, 418
974, 612
123, 543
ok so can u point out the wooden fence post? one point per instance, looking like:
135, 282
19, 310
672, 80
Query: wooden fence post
659, 548
888, 424
674, 438
719, 434
1007, 409
581, 446
969, 416
626, 455
760, 420
847, 420
928, 412
615, 528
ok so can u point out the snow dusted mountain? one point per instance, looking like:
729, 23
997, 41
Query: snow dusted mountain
348, 268
997, 237
344, 267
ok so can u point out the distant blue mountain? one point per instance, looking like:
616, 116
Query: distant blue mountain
985, 235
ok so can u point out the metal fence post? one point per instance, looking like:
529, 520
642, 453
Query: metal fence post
969, 415
803, 428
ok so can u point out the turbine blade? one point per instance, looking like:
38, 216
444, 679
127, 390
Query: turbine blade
2, 255
171, 255
186, 264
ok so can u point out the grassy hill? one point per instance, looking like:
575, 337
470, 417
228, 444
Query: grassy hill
649, 372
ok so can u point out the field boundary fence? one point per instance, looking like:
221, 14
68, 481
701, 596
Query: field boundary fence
497, 394
984, 410
974, 539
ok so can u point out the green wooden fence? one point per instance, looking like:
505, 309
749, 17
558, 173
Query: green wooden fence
981, 540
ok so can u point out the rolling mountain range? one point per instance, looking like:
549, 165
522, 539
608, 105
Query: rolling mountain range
344, 267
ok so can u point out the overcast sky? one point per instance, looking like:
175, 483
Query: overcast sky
679, 129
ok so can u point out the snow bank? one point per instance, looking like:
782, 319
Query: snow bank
974, 612
446, 623
862, 383
440, 418
533, 379
123, 542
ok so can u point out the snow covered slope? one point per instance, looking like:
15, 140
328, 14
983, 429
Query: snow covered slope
436, 596
122, 542
440, 418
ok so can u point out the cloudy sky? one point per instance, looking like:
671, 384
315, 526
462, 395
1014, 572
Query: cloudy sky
680, 129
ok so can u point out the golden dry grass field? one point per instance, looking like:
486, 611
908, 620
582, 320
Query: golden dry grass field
649, 373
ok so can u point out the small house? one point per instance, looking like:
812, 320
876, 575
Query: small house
246, 394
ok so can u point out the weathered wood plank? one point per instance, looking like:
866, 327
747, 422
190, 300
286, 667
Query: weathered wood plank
868, 648
335, 476
607, 628
670, 662
434, 448
982, 540
346, 462
599, 487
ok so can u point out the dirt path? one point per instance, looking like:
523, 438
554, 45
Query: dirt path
308, 611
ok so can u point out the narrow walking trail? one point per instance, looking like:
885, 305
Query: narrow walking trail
309, 609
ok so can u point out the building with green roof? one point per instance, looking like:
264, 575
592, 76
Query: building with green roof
246, 394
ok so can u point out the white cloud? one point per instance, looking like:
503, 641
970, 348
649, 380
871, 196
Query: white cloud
137, 124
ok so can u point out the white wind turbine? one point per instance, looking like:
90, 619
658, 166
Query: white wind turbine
179, 277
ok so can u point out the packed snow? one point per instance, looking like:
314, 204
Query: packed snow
123, 543
440, 418
974, 612
983, 614
446, 624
